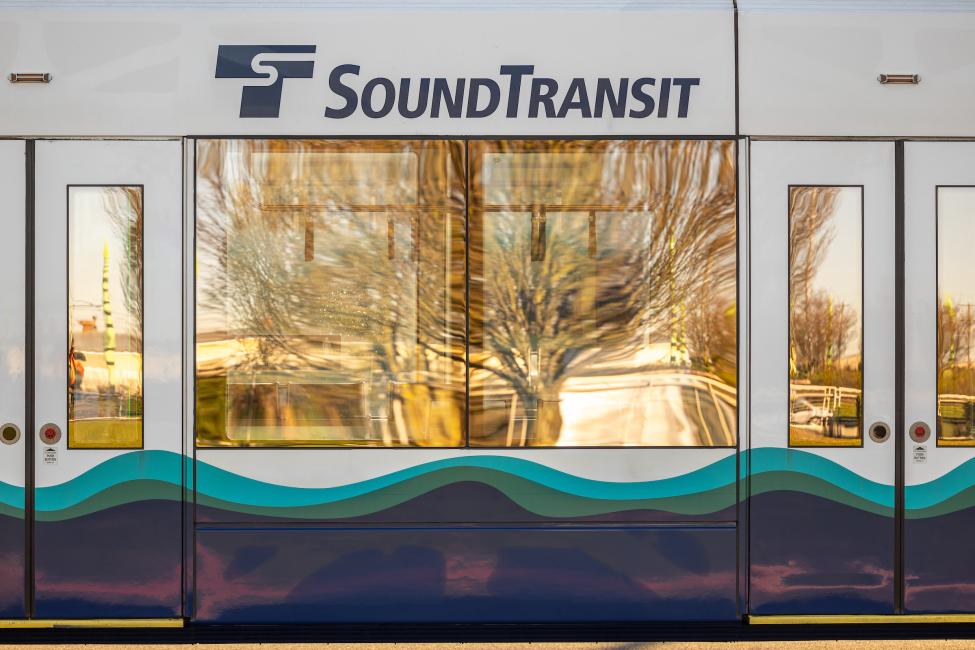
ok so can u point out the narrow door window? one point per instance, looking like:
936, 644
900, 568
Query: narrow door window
825, 316
956, 302
105, 312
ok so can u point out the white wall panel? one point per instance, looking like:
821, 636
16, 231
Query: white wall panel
152, 72
807, 71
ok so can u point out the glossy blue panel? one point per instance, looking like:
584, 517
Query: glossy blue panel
122, 561
812, 555
939, 565
288, 575
11, 567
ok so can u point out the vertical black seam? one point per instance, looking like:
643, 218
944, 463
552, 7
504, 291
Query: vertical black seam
182, 381
467, 293
899, 376
734, 6
192, 342
747, 487
738, 375
29, 361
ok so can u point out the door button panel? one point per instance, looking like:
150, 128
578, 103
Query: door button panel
50, 433
920, 432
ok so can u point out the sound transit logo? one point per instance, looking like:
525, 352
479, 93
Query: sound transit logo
270, 65
516, 91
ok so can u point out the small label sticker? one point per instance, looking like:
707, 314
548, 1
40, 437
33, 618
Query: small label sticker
920, 454
50, 456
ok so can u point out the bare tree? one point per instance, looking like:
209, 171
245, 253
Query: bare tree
537, 323
821, 329
124, 206
290, 263
955, 333
337, 277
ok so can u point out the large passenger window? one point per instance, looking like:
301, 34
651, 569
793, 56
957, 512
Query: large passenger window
330, 293
825, 316
602, 293
483, 294
956, 302
105, 308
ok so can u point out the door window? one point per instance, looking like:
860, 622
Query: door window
105, 310
825, 316
956, 300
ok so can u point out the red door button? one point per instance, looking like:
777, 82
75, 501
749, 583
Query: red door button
920, 432
50, 433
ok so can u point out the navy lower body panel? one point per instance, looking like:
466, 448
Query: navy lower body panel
120, 562
448, 574
939, 567
813, 555
12, 561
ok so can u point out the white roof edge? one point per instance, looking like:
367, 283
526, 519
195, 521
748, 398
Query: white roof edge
386, 5
891, 6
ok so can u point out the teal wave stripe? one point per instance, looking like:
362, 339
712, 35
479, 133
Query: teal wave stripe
943, 488
246, 491
11, 496
164, 467
11, 500
538, 488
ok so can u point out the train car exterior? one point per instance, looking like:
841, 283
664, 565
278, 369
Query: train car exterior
456, 312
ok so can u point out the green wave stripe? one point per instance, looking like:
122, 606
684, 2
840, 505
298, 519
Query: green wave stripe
790, 465
545, 491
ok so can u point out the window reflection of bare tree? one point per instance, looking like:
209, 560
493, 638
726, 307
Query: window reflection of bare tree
954, 346
821, 327
662, 273
335, 280
124, 207
316, 271
825, 364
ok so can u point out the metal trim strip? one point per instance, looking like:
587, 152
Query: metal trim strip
853, 619
93, 623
